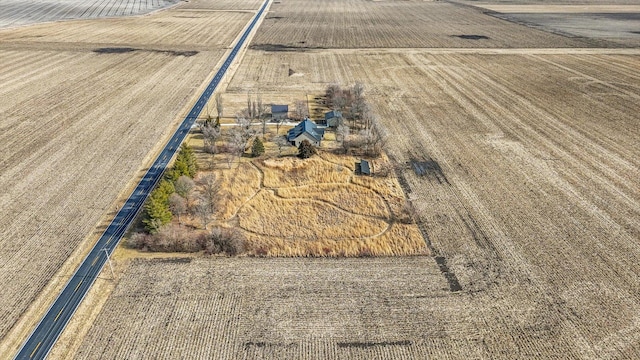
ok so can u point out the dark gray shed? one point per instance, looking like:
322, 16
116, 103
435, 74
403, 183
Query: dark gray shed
279, 112
363, 168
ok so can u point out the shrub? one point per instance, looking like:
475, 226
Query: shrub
306, 150
258, 148
229, 241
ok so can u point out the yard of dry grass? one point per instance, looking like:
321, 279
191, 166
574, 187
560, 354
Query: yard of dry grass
286, 206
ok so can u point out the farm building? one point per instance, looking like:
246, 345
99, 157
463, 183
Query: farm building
305, 130
279, 112
363, 168
333, 118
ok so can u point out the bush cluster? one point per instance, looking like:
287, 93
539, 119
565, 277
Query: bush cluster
173, 238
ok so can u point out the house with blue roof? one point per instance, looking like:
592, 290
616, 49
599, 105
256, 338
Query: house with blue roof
305, 130
333, 118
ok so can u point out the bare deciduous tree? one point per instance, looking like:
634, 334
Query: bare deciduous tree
339, 101
219, 105
331, 92
358, 91
203, 211
342, 136
209, 189
359, 105
248, 110
210, 135
184, 185
374, 138
301, 110
244, 126
178, 205
282, 142
237, 143
262, 110
368, 117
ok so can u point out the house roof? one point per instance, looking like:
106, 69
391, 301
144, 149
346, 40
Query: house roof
279, 109
332, 114
364, 167
306, 126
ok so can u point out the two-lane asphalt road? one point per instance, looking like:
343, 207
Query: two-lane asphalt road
44, 336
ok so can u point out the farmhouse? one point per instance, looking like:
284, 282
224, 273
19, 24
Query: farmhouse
333, 118
305, 130
279, 112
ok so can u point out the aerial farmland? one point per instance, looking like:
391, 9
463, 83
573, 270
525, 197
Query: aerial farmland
514, 139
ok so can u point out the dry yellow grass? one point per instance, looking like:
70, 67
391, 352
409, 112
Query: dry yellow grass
237, 185
399, 239
305, 219
314, 207
349, 197
295, 172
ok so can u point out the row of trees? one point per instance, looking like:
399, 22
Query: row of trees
171, 192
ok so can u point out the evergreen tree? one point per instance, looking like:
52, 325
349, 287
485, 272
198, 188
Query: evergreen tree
257, 148
189, 159
157, 212
306, 150
185, 164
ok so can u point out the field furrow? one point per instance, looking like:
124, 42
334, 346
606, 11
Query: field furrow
537, 196
79, 125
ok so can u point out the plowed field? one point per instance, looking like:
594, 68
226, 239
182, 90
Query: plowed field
82, 106
22, 12
523, 165
332, 24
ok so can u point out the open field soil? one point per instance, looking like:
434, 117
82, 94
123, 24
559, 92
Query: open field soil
308, 24
523, 167
22, 12
612, 22
83, 105
399, 308
176, 32
216, 5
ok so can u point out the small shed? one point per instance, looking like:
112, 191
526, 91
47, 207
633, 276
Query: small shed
332, 118
363, 168
305, 130
279, 112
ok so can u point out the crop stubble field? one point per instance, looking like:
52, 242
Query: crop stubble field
395, 24
528, 193
535, 209
84, 103
530, 190
19, 12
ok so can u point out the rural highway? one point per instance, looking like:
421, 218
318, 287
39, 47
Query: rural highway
44, 336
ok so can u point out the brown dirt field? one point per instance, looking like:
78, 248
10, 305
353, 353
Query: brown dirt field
78, 126
24, 12
221, 5
171, 30
529, 198
295, 25
535, 193
396, 308
562, 8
